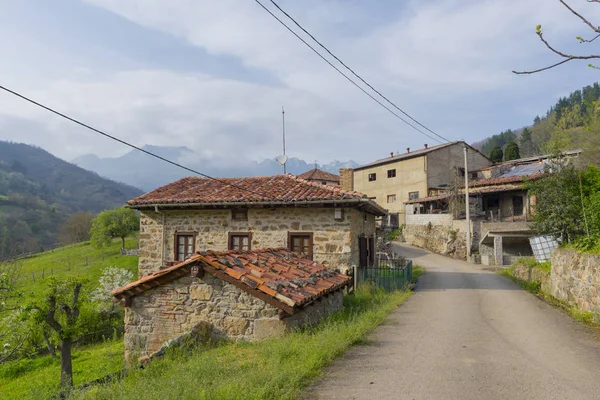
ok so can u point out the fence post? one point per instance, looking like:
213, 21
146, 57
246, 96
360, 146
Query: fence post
355, 280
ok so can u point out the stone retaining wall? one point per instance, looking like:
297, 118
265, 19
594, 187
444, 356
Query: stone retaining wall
530, 274
438, 239
169, 311
575, 279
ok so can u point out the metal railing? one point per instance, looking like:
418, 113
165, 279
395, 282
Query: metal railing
393, 274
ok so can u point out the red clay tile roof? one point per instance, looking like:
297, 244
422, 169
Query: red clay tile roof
316, 174
277, 276
277, 189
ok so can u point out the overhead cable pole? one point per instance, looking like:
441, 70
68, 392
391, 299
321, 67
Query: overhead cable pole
467, 205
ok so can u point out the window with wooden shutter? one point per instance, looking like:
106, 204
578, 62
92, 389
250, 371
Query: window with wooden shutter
240, 241
184, 245
301, 243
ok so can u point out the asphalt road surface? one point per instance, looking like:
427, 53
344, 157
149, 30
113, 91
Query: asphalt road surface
468, 333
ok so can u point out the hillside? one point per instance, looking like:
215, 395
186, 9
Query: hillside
573, 122
38, 191
134, 167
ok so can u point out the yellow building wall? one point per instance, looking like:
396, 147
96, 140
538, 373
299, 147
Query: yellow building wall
411, 176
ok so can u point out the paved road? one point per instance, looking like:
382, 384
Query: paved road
468, 334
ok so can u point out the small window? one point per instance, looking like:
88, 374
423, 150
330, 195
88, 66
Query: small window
391, 173
413, 195
239, 214
473, 175
184, 245
301, 243
391, 198
240, 241
372, 177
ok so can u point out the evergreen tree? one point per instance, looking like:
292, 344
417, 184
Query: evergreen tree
496, 154
512, 152
526, 143
536, 120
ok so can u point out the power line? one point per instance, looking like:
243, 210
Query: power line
346, 76
354, 73
129, 144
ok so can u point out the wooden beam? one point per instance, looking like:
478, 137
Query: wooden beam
254, 292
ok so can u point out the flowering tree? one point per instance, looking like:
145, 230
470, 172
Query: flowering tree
112, 278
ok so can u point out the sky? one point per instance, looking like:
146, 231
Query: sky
213, 75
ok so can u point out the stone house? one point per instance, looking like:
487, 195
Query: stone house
320, 176
235, 295
412, 175
324, 223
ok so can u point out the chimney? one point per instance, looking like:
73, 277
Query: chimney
408, 149
347, 179
391, 154
425, 145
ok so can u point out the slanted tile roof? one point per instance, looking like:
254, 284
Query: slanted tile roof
275, 190
277, 276
319, 175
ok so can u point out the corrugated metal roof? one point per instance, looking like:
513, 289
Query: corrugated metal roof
523, 170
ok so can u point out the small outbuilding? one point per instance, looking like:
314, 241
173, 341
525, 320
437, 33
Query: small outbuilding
235, 295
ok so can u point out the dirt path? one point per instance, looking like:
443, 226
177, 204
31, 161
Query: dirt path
468, 334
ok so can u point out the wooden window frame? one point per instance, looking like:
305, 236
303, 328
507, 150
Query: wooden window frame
230, 236
243, 211
391, 173
372, 175
395, 198
410, 198
176, 247
310, 241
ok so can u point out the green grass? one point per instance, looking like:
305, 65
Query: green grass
71, 261
532, 263
417, 272
28, 378
273, 369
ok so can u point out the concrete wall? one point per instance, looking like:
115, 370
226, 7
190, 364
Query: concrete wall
411, 176
575, 279
425, 219
335, 243
441, 164
169, 311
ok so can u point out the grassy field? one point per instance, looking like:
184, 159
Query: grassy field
71, 261
28, 378
273, 369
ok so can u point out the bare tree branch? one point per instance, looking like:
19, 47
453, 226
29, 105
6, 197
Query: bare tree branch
573, 57
541, 69
588, 23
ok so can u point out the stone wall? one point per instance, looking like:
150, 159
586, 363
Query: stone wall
425, 219
438, 239
347, 179
335, 242
167, 312
531, 274
575, 278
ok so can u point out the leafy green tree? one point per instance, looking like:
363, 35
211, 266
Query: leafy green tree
60, 312
558, 204
118, 223
496, 155
512, 152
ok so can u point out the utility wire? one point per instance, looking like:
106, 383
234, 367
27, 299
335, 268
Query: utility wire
355, 74
346, 76
129, 144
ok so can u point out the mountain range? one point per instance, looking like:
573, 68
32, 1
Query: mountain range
141, 170
38, 191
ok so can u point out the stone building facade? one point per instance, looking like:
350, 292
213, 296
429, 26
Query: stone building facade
248, 295
334, 240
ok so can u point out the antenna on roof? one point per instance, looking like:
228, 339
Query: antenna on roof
282, 159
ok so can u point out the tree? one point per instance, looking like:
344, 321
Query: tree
526, 143
60, 312
511, 152
109, 224
112, 278
558, 208
496, 155
76, 228
566, 57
